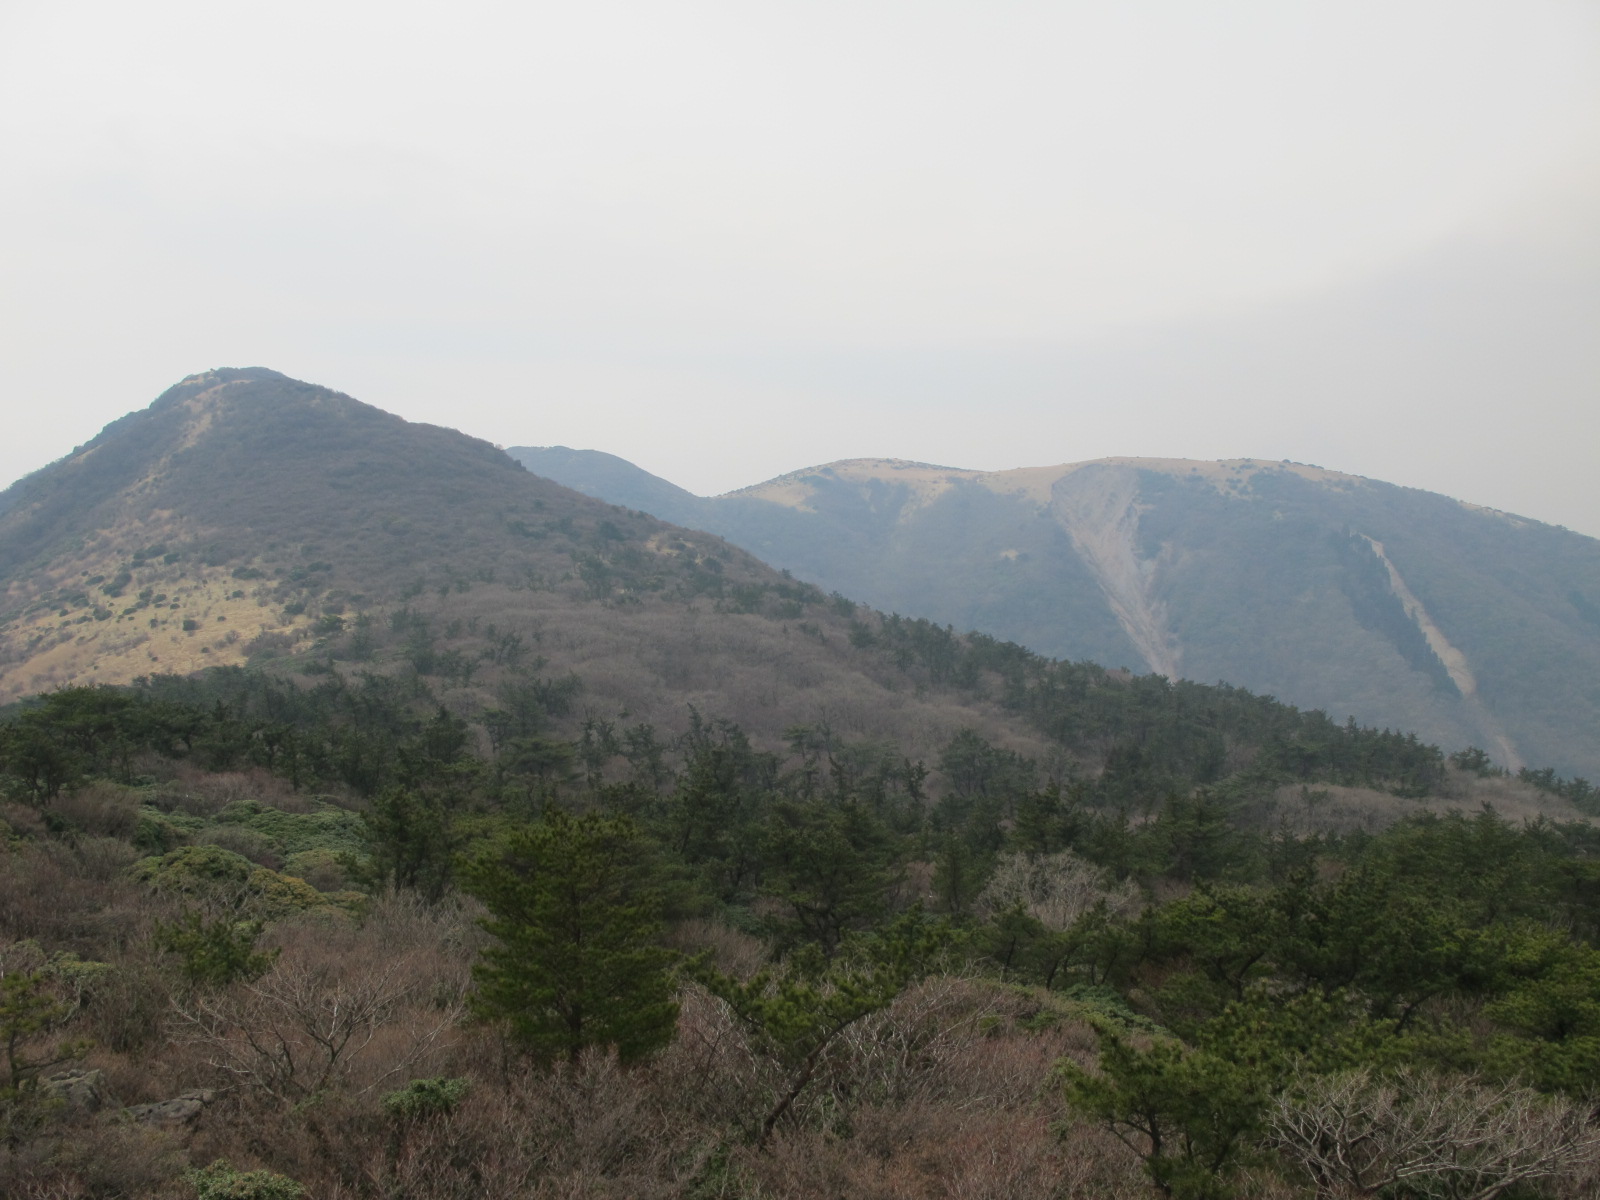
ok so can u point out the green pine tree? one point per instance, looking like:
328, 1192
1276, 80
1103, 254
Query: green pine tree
577, 921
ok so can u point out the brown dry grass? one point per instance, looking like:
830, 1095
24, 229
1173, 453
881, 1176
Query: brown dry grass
653, 661
1328, 808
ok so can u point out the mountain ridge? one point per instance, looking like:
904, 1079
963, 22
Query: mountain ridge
1395, 605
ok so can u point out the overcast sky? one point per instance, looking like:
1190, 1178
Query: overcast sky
728, 240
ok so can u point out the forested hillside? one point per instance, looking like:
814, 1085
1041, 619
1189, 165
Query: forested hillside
266, 937
522, 846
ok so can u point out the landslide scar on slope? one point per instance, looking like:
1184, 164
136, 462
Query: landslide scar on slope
1099, 509
1455, 662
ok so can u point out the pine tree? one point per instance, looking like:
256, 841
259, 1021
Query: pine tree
577, 922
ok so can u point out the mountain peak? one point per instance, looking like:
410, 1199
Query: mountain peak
154, 529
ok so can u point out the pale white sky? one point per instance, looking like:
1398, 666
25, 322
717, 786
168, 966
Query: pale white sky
730, 239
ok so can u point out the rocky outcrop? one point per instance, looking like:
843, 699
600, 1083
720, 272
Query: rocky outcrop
179, 1111
80, 1090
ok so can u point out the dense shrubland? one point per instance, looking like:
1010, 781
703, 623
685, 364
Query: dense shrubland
331, 934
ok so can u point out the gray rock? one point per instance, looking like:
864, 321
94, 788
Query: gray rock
180, 1110
80, 1089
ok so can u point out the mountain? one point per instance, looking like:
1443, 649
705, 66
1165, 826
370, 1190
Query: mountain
245, 518
614, 480
1400, 607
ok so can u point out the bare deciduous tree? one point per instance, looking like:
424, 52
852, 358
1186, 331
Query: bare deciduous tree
1357, 1133
1055, 889
307, 1024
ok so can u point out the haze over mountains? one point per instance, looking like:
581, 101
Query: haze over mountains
1397, 606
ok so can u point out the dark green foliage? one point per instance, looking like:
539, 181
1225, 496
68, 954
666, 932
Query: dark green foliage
423, 1098
830, 867
39, 764
1197, 838
214, 953
982, 782
29, 1007
710, 822
1552, 1000
413, 841
1188, 1114
1151, 736
576, 919
73, 732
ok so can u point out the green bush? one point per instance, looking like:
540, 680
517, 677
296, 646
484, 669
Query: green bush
214, 953
195, 869
157, 832
276, 896
426, 1097
333, 829
210, 872
322, 869
220, 1181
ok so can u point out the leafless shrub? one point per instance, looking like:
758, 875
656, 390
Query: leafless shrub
335, 1011
402, 921
1357, 1134
1329, 808
1056, 889
593, 1118
732, 952
100, 810
23, 821
132, 1004
954, 1097
906, 1049
756, 671
711, 1066
955, 1155
109, 1160
1517, 801
945, 1046
70, 898
588, 1129
205, 793
478, 1151
104, 859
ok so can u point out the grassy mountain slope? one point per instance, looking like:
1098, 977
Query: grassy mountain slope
1398, 606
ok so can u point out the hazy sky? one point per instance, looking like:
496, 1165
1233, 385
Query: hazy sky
727, 240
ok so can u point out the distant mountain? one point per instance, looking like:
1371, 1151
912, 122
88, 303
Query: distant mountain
1400, 607
614, 480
